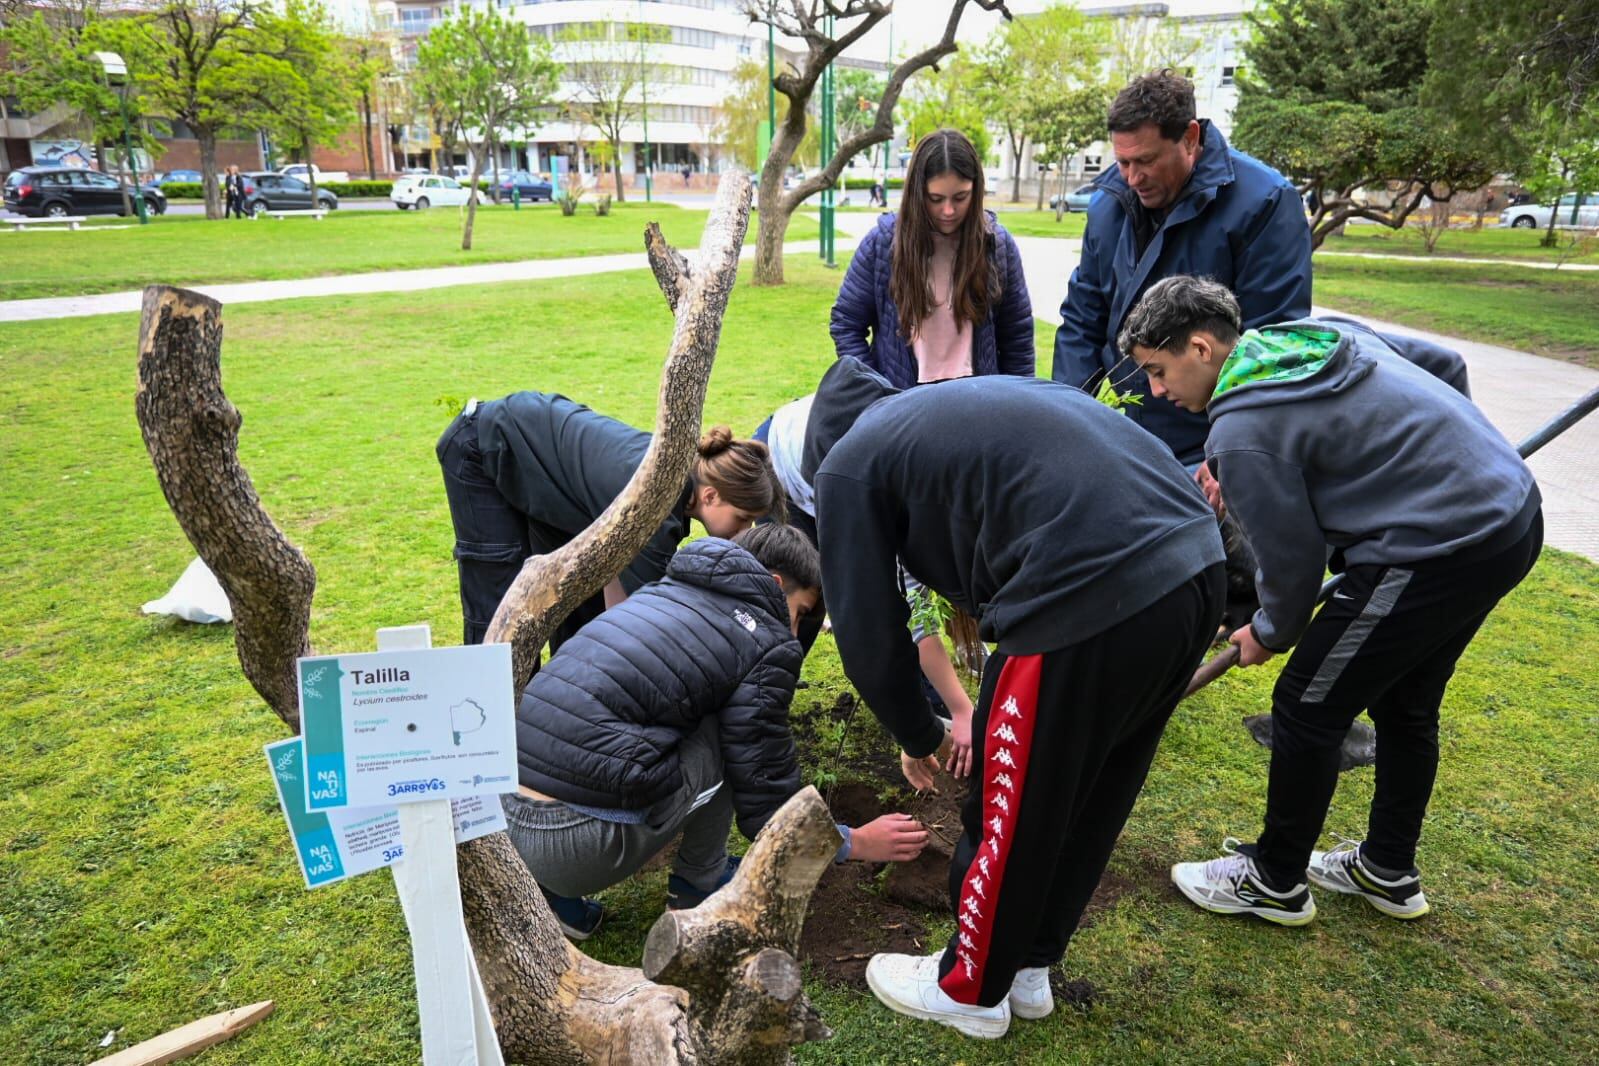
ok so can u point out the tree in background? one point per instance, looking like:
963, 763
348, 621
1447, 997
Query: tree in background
744, 109
1524, 74
488, 73
181, 55
1341, 112
807, 23
856, 94
371, 59
1063, 126
1032, 68
1141, 44
47, 59
612, 71
294, 79
952, 100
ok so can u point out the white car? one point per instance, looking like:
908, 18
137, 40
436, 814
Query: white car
304, 172
1536, 216
423, 191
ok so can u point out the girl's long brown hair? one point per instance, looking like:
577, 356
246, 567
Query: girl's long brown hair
975, 280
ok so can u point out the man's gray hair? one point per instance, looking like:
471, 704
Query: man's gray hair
1173, 308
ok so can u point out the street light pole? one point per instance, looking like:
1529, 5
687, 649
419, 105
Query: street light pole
829, 146
644, 89
116, 76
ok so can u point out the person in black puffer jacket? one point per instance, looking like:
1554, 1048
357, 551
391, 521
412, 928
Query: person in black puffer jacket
668, 714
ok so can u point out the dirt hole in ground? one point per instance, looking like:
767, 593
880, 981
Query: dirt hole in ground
861, 910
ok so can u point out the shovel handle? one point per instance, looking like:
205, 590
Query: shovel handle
1213, 668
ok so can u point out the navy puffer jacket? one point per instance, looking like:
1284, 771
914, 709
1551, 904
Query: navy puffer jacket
600, 724
1001, 344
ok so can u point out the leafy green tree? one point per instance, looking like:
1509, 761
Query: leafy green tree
371, 63
490, 74
1341, 112
950, 100
294, 79
855, 98
1140, 44
744, 109
181, 55
1524, 75
1064, 125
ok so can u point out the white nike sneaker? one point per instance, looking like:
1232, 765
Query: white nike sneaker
1342, 870
1232, 885
1030, 996
908, 984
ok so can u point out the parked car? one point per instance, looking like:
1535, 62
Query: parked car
531, 186
56, 192
178, 175
1536, 216
267, 191
1077, 199
423, 191
303, 171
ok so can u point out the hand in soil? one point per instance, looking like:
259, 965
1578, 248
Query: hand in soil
919, 772
889, 838
1251, 652
960, 736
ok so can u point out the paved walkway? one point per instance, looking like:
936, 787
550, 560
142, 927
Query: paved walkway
1535, 265
1519, 392
247, 292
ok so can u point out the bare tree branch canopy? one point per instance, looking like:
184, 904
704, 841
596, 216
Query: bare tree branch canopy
736, 995
805, 22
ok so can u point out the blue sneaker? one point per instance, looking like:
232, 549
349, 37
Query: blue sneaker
579, 918
681, 895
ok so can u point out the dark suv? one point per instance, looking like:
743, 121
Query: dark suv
266, 191
55, 192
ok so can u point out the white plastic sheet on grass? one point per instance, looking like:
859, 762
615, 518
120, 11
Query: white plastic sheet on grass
195, 598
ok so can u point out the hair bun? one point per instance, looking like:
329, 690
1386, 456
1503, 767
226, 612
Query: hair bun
716, 441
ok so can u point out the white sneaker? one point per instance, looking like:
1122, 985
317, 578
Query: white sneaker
908, 984
1030, 996
1232, 885
1343, 870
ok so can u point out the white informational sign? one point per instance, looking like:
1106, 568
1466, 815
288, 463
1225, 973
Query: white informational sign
337, 844
405, 726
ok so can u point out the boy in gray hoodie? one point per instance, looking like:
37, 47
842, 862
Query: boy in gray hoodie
1325, 440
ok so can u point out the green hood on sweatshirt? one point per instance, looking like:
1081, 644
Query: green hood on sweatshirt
1275, 355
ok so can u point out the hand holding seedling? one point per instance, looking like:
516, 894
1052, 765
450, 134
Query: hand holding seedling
921, 772
888, 838
1251, 652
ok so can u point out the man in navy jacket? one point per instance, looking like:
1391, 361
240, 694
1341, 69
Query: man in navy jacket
1179, 201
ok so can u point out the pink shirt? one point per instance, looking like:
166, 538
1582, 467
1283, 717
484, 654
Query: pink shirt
943, 346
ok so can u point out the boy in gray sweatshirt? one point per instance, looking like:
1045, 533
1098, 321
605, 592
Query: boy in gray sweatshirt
1324, 440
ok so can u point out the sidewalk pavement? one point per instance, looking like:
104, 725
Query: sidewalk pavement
1517, 391
246, 292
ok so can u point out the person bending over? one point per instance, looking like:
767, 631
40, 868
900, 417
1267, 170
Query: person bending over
667, 717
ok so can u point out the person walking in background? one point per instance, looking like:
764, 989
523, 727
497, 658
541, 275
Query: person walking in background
936, 290
1178, 201
233, 193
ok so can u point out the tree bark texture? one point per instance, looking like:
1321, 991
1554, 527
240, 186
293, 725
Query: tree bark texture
551, 585
192, 434
740, 999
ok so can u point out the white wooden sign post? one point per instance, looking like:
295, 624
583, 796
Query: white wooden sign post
457, 1029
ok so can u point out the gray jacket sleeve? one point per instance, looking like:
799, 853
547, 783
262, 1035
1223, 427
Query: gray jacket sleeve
1268, 498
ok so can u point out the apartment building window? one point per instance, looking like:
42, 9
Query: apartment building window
416, 21
1227, 75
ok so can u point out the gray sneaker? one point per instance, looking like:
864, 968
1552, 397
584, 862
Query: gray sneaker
1341, 870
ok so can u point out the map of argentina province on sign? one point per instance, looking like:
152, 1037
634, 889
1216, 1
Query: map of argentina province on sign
382, 728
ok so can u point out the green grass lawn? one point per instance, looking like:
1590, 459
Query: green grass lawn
1029, 223
1490, 242
148, 877
114, 255
1548, 312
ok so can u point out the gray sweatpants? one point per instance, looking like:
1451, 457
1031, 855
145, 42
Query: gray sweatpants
574, 854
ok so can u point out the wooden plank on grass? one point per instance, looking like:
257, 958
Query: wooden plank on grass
196, 1036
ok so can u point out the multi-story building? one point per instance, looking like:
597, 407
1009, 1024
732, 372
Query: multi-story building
690, 50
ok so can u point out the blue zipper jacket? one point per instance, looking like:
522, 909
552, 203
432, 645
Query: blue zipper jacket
1002, 344
1237, 221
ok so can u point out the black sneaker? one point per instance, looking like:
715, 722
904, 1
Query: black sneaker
1342, 870
1232, 885
682, 895
579, 918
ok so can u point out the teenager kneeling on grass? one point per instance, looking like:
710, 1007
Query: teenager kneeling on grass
1089, 556
1322, 437
668, 715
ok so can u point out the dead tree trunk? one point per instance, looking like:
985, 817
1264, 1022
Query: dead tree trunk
738, 997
